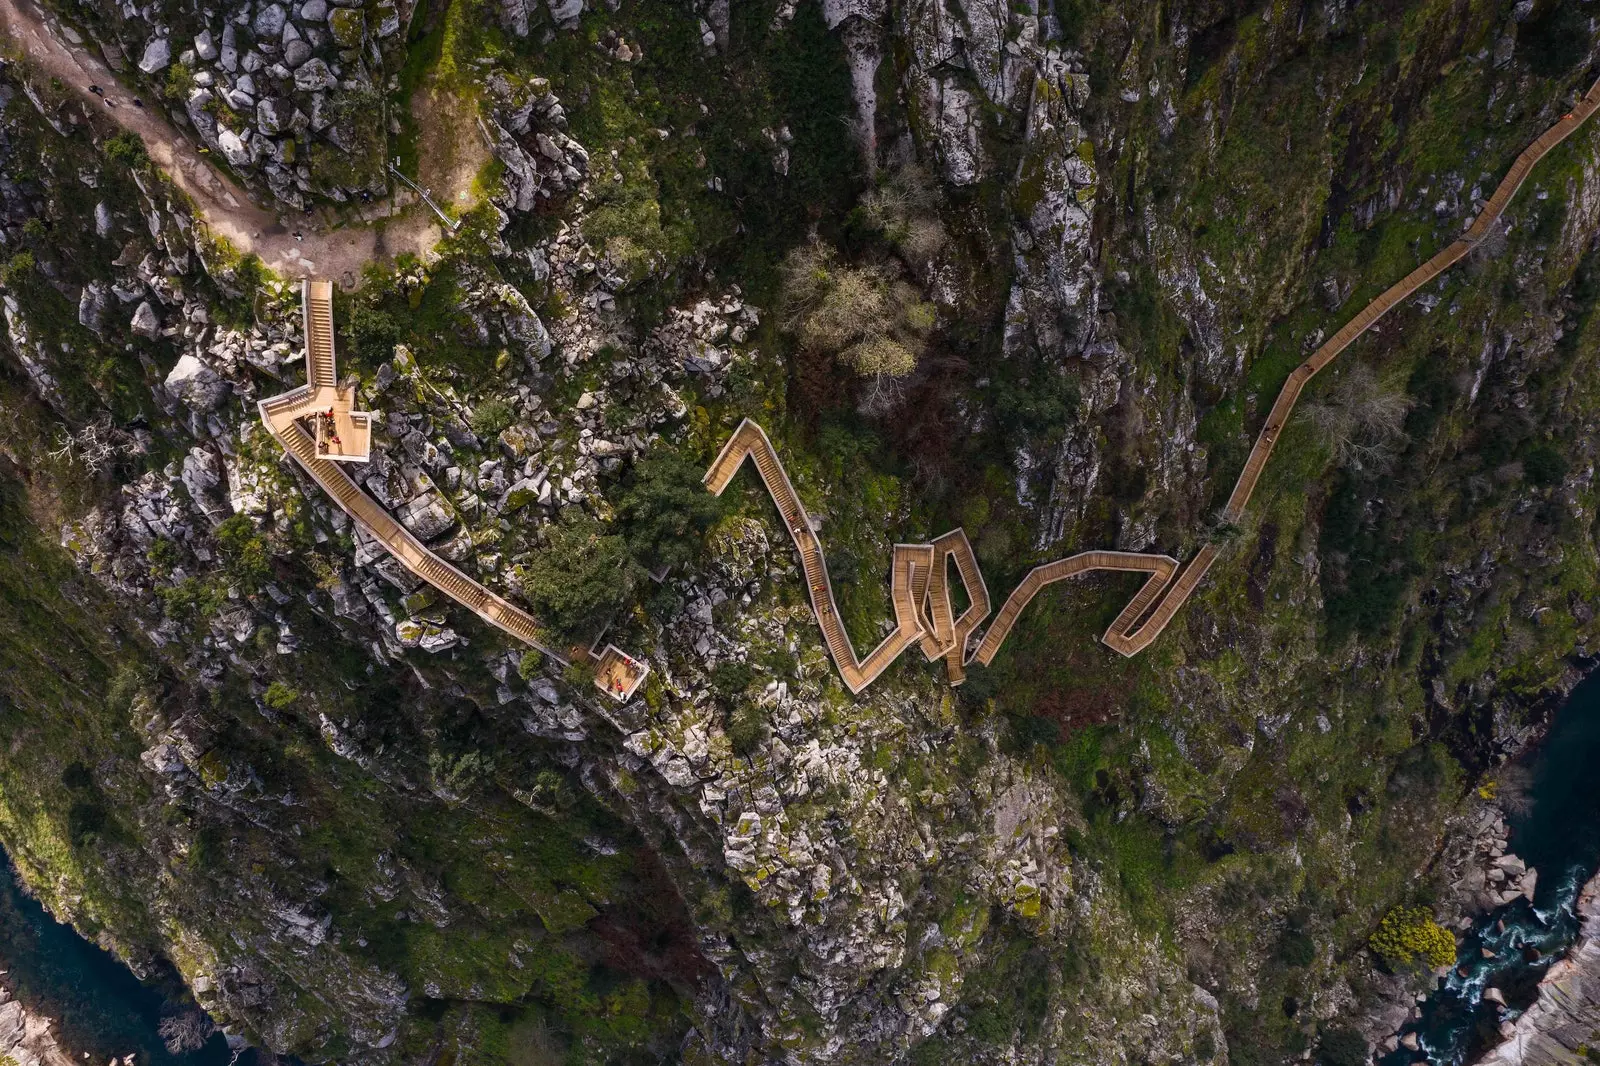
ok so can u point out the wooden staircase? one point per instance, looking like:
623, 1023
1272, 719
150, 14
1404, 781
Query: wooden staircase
919, 580
317, 306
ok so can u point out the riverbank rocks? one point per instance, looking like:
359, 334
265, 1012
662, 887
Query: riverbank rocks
1566, 1013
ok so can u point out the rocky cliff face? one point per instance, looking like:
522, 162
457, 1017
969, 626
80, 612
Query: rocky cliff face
364, 827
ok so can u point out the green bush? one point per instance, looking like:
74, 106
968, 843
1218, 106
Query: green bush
1342, 1046
245, 554
1409, 934
373, 332
747, 728
127, 148
280, 697
731, 678
490, 418
17, 269
531, 664
1544, 466
579, 674
1556, 40
1297, 950
665, 511
581, 576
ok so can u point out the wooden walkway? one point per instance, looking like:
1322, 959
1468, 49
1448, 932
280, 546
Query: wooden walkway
919, 585
617, 673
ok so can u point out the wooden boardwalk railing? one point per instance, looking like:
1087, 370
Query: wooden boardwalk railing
283, 415
317, 304
919, 585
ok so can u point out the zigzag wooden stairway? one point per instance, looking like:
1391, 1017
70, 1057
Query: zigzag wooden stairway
320, 402
919, 586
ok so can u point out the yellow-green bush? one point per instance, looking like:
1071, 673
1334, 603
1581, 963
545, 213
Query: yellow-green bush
1410, 933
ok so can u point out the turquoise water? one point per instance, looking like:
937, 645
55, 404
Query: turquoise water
99, 1006
1558, 833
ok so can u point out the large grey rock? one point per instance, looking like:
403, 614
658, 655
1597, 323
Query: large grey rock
145, 323
102, 219
566, 12
233, 147
205, 479
295, 53
426, 516
272, 115
205, 46
93, 305
157, 55
269, 21
514, 17
313, 76
196, 384
314, 11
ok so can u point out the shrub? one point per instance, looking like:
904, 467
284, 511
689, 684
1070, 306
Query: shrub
1342, 1046
1408, 934
1544, 466
1555, 41
665, 511
490, 418
17, 269
579, 674
531, 664
1297, 950
245, 554
126, 148
374, 332
732, 678
1359, 418
280, 697
862, 316
582, 575
905, 208
747, 728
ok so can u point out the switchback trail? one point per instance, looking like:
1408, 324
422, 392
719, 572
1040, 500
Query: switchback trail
922, 603
226, 208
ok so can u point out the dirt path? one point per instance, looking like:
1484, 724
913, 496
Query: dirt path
227, 209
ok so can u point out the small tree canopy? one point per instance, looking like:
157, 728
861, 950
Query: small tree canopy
665, 511
581, 576
861, 315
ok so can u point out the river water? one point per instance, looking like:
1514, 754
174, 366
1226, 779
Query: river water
98, 1005
1556, 832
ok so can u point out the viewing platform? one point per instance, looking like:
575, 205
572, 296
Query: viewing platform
319, 428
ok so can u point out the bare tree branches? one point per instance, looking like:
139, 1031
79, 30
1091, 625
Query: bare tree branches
94, 446
1362, 420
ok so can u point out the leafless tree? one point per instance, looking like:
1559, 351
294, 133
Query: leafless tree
1362, 420
186, 1031
94, 446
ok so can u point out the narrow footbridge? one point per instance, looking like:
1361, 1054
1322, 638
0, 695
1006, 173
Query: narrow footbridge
320, 430
920, 590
